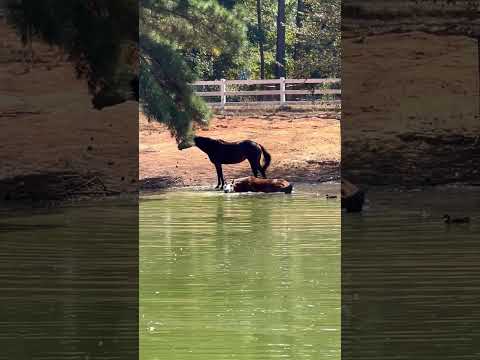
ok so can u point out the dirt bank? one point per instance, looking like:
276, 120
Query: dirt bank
410, 112
304, 147
49, 127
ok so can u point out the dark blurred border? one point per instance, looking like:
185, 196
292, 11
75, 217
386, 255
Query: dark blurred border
410, 140
68, 191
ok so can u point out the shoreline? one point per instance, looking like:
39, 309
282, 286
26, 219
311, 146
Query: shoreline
167, 182
303, 146
135, 197
211, 187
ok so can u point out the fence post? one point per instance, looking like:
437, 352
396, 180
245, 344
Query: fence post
282, 91
223, 89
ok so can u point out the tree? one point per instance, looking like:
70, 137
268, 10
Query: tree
312, 42
99, 36
280, 52
168, 30
102, 39
261, 39
318, 40
21, 14
299, 23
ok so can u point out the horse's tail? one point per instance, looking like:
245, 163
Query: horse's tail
267, 158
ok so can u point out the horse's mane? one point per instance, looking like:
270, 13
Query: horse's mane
214, 141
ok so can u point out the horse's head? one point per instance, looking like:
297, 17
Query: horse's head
185, 144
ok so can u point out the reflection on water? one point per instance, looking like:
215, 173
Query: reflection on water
240, 276
69, 282
410, 283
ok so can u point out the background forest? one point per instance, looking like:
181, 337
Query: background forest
302, 35
184, 40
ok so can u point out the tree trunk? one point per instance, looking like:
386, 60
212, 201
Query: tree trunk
299, 23
280, 54
261, 39
27, 56
30, 45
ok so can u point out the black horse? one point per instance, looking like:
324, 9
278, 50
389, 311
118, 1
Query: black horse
223, 152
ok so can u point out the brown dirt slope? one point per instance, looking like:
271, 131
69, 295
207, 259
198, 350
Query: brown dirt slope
49, 126
410, 112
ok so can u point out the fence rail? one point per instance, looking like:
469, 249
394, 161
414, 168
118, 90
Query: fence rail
311, 94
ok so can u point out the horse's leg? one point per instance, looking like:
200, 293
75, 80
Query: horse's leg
221, 175
218, 167
254, 167
262, 172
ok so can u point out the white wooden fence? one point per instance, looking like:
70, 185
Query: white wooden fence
223, 93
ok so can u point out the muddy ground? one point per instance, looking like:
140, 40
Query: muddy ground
410, 112
50, 129
305, 147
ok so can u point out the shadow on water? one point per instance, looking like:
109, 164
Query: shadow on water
410, 283
69, 282
240, 276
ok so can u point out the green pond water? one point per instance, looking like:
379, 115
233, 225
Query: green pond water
240, 276
410, 282
228, 276
69, 281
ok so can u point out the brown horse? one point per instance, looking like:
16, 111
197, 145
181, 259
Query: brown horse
223, 152
253, 184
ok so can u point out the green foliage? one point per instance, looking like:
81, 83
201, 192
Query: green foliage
177, 38
165, 94
319, 40
100, 37
313, 49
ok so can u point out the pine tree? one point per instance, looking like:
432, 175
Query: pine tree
168, 29
299, 23
100, 37
261, 39
280, 53
318, 40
